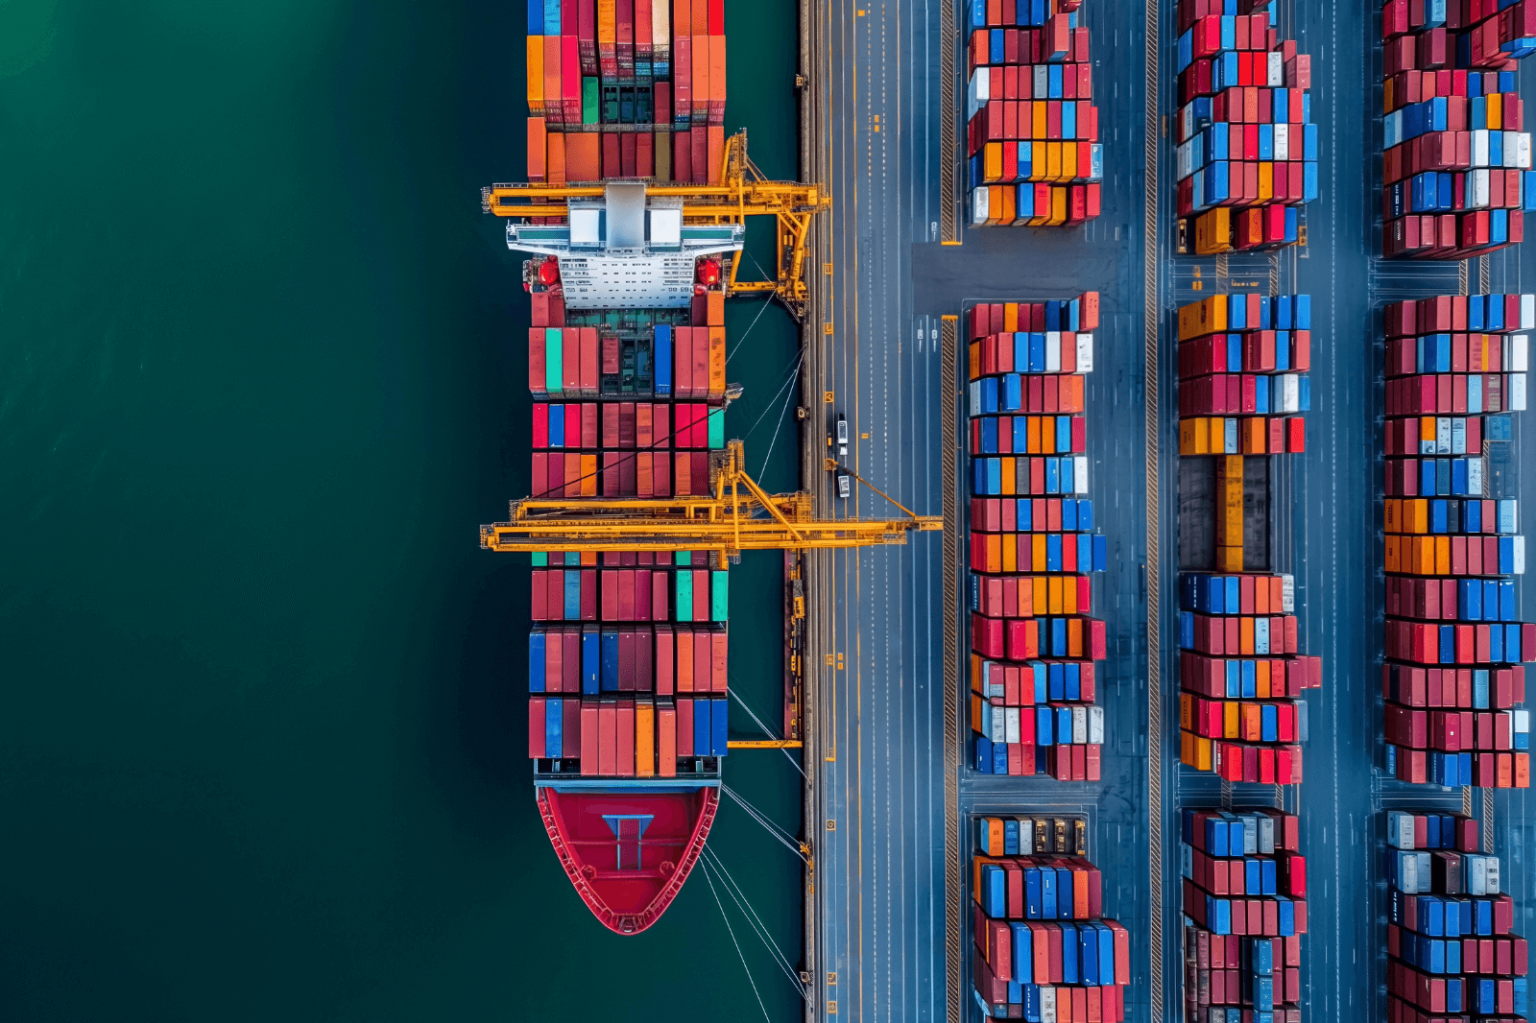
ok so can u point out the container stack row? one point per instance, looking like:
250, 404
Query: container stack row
1246, 153
1453, 675
1456, 161
1032, 548
683, 361
1044, 950
626, 89
1245, 910
622, 697
609, 444
1032, 128
1451, 950
644, 586
1243, 386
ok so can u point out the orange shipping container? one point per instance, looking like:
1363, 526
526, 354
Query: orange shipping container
717, 79
583, 158
555, 167
714, 308
716, 364
666, 741
700, 107
536, 74
645, 736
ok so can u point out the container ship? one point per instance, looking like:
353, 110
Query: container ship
626, 368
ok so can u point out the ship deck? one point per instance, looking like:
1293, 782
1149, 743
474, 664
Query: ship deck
888, 943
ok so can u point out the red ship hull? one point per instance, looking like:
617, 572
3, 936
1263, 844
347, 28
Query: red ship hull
628, 849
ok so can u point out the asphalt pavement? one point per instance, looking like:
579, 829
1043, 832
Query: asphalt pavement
881, 871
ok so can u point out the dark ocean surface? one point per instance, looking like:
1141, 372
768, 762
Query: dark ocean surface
261, 378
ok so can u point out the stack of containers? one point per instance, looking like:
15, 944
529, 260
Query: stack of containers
1452, 674
1246, 152
1033, 644
1242, 388
1456, 174
592, 438
628, 678
1245, 910
1032, 128
1043, 950
626, 89
1450, 946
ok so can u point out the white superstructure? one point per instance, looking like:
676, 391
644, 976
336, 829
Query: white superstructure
622, 252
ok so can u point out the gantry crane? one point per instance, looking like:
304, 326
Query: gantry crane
737, 515
741, 192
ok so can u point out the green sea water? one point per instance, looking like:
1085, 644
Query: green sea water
261, 722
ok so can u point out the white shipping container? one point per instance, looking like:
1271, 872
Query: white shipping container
1085, 353
1096, 726
1276, 70
1053, 351
1516, 353
1516, 395
978, 92
1507, 515
1011, 725
1282, 142
1442, 436
980, 198
1477, 188
1474, 476
1287, 594
1080, 474
1480, 147
1518, 543
1290, 393
1528, 312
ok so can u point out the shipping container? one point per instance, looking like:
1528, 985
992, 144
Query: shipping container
1455, 161
1032, 546
1032, 129
1453, 676
1449, 938
1245, 147
1041, 946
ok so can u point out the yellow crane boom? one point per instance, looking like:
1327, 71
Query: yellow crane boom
741, 192
738, 515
